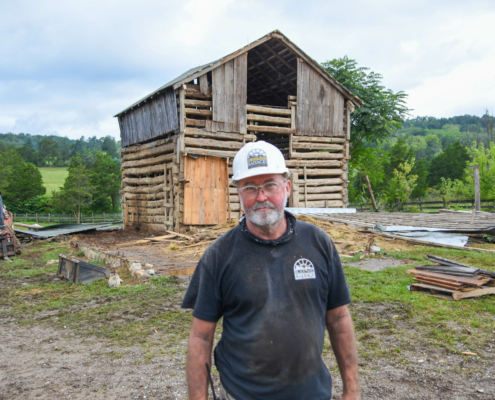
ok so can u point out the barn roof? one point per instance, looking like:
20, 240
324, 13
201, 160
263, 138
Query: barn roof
194, 73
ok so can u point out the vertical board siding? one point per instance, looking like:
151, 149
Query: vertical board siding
156, 117
229, 91
319, 104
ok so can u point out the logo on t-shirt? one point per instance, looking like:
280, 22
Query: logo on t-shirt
256, 158
304, 269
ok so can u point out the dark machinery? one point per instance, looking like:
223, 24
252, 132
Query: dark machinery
7, 236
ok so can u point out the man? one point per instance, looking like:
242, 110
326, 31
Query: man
277, 282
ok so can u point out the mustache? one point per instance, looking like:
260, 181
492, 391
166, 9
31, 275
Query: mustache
265, 204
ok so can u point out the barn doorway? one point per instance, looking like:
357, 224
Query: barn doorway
206, 189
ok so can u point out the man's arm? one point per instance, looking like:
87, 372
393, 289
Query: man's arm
341, 330
198, 354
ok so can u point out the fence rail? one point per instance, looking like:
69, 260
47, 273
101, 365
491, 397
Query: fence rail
428, 206
68, 218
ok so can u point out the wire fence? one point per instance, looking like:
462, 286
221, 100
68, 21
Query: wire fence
68, 218
429, 206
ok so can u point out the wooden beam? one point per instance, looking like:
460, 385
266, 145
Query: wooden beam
319, 139
263, 85
219, 135
317, 146
268, 110
269, 78
199, 142
267, 46
196, 111
265, 118
313, 163
273, 67
197, 103
270, 129
321, 155
195, 122
214, 153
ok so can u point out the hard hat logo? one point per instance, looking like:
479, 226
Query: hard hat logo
257, 158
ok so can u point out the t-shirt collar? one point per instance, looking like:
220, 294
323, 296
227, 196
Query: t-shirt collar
291, 229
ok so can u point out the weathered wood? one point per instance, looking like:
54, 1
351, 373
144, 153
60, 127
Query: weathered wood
144, 196
145, 203
223, 144
149, 152
240, 97
322, 189
182, 107
265, 118
270, 129
143, 171
147, 189
318, 139
147, 161
268, 110
259, 55
138, 148
325, 204
320, 196
371, 193
203, 84
197, 103
320, 155
317, 171
320, 182
318, 146
195, 122
219, 135
213, 153
313, 163
148, 211
198, 111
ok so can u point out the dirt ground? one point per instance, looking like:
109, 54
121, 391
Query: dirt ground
44, 363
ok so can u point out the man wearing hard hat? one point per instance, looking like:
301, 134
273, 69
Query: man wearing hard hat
277, 282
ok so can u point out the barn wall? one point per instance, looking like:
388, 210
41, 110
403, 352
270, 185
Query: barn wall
154, 118
319, 105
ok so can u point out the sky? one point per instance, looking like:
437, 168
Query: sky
66, 67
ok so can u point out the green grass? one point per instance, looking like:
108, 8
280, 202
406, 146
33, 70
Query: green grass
53, 178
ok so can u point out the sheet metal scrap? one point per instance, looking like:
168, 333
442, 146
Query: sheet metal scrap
44, 232
79, 271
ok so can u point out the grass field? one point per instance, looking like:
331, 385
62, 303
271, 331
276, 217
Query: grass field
53, 178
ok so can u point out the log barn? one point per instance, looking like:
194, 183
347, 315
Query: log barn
178, 143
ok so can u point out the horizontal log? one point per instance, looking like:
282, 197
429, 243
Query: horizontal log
214, 153
135, 148
148, 211
318, 155
194, 92
223, 144
144, 196
197, 103
195, 122
145, 181
155, 227
195, 111
147, 189
319, 182
322, 204
150, 218
152, 152
235, 215
143, 170
270, 129
219, 135
146, 203
317, 146
318, 139
147, 161
313, 163
317, 171
268, 110
265, 118
234, 199
321, 196
319, 189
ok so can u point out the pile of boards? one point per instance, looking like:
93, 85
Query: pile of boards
452, 280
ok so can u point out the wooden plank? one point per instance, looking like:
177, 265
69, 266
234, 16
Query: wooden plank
270, 129
196, 111
149, 152
205, 152
318, 171
268, 110
473, 293
320, 196
438, 283
143, 170
451, 278
320, 155
319, 182
265, 118
182, 110
241, 91
195, 122
218, 103
318, 146
219, 135
199, 103
318, 139
325, 204
203, 84
302, 93
146, 189
229, 93
324, 189
147, 161
313, 163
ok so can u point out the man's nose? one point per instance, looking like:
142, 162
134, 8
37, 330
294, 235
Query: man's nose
261, 197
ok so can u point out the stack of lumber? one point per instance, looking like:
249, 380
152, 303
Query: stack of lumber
452, 280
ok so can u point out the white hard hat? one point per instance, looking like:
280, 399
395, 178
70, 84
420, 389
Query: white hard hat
258, 158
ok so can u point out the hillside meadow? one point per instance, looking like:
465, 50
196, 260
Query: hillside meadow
53, 178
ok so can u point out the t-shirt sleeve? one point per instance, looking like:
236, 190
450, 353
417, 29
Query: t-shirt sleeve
338, 293
201, 295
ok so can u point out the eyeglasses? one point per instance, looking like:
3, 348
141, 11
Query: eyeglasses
269, 189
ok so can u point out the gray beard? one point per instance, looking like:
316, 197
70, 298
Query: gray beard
265, 217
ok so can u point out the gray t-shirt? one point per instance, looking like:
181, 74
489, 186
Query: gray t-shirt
273, 296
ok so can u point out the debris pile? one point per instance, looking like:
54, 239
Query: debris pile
451, 279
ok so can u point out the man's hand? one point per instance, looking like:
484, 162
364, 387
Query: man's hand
198, 354
339, 325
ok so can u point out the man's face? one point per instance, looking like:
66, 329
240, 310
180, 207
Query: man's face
264, 208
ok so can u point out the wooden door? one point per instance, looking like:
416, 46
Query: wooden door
205, 190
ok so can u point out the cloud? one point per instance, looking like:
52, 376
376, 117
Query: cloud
68, 67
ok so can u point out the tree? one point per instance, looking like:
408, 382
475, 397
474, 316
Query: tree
47, 149
25, 182
109, 146
399, 154
485, 158
105, 177
383, 112
75, 195
450, 164
28, 152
